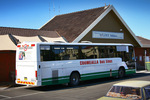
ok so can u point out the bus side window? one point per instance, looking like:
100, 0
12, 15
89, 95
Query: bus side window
88, 52
45, 53
96, 52
71, 52
111, 51
102, 52
59, 52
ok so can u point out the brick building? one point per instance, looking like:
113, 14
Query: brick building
142, 54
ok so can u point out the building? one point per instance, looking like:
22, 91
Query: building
99, 25
142, 54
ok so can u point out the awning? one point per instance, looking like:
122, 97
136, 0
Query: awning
6, 43
9, 42
27, 39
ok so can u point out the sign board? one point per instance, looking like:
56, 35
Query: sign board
107, 35
122, 48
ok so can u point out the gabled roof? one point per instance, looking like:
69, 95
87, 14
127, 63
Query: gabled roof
72, 25
27, 32
145, 42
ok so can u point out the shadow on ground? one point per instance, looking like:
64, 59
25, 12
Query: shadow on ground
86, 83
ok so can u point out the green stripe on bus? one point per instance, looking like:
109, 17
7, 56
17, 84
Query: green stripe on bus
130, 71
88, 76
55, 80
98, 75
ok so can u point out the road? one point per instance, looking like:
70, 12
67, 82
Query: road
87, 90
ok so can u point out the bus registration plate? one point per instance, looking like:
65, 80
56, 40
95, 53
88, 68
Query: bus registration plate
25, 78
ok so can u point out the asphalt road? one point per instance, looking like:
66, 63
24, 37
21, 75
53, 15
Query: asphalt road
87, 90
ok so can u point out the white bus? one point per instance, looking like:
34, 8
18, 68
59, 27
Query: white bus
59, 63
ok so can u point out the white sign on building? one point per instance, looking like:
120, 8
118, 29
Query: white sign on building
107, 35
122, 48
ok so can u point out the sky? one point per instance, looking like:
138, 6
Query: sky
33, 14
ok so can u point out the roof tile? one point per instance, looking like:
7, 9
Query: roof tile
72, 25
143, 40
27, 32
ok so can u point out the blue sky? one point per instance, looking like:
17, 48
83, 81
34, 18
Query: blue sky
33, 14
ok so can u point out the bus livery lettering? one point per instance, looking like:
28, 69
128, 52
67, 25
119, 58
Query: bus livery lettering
88, 62
108, 61
102, 61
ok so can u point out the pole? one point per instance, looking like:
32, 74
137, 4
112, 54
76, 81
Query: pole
145, 60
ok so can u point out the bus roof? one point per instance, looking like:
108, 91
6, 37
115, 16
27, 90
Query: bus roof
52, 43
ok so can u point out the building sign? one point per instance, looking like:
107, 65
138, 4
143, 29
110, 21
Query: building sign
122, 48
107, 35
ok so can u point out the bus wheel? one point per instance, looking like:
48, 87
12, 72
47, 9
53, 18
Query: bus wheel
121, 72
74, 79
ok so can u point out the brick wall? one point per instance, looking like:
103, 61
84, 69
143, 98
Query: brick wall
140, 56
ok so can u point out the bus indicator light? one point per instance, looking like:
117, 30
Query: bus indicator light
16, 72
36, 74
18, 79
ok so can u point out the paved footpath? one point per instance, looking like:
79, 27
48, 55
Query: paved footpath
7, 85
143, 71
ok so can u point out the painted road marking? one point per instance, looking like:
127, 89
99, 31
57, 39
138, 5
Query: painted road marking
4, 97
7, 97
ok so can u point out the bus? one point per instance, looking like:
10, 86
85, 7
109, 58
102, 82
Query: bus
45, 63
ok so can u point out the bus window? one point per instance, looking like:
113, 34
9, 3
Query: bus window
131, 59
45, 53
111, 51
71, 53
103, 51
59, 52
128, 57
88, 52
97, 53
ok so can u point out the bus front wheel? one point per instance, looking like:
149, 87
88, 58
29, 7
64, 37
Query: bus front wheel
121, 72
74, 79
